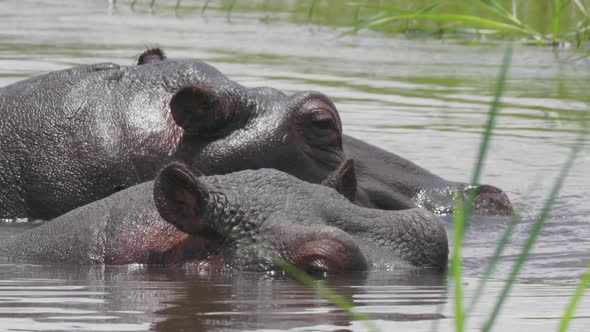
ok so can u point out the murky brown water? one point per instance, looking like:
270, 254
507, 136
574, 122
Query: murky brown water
425, 100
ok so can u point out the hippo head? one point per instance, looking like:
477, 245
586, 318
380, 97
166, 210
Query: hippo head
258, 128
227, 127
258, 216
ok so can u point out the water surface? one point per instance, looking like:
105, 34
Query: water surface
425, 100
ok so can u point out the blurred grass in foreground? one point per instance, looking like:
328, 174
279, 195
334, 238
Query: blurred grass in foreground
461, 313
460, 223
461, 216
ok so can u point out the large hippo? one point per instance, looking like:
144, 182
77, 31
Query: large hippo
74, 136
239, 220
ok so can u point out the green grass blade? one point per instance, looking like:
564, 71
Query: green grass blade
558, 7
462, 210
307, 280
535, 230
496, 7
459, 219
310, 11
493, 261
502, 244
514, 13
325, 292
582, 8
456, 18
230, 8
491, 6
492, 113
569, 311
393, 10
205, 7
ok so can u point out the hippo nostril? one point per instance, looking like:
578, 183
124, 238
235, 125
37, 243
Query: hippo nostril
487, 189
491, 200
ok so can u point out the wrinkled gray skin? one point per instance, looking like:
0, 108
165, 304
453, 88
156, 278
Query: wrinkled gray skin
212, 223
74, 136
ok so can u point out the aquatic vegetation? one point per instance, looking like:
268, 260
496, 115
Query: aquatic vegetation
491, 18
556, 22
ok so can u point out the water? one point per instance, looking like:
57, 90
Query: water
425, 100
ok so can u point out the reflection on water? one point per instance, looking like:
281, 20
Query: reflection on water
426, 101
137, 298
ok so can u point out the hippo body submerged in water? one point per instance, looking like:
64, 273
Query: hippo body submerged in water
71, 137
239, 220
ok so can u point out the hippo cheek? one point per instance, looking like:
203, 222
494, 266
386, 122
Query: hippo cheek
490, 200
316, 164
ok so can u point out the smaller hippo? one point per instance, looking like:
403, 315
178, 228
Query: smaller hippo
240, 221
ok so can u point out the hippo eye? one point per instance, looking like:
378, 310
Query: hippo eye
322, 119
318, 123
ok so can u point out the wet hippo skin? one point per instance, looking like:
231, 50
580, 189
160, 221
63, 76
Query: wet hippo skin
241, 220
71, 137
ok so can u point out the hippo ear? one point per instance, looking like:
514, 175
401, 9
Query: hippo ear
199, 109
151, 55
181, 199
343, 179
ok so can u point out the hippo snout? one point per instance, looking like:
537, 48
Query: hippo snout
490, 200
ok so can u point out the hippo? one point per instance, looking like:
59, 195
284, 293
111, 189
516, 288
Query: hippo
71, 137
242, 220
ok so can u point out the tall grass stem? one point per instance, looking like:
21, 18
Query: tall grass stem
492, 113
537, 226
462, 209
325, 292
456, 262
569, 311
493, 261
